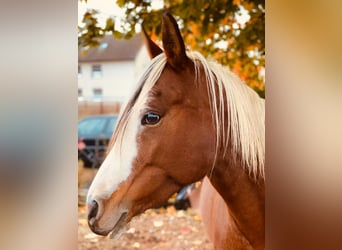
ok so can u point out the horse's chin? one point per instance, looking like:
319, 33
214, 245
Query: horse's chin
120, 226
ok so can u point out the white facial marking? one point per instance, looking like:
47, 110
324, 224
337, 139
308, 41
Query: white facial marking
118, 164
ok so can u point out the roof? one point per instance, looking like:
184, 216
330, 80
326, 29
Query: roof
111, 49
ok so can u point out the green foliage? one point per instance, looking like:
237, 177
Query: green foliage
204, 24
91, 32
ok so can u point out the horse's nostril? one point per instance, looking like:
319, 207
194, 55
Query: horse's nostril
92, 212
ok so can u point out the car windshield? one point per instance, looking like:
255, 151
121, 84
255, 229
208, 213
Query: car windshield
91, 127
110, 126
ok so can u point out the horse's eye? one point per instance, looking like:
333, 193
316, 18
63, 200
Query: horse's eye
150, 119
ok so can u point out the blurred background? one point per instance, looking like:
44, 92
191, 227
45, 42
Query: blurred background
39, 117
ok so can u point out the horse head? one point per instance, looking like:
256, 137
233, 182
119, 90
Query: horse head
162, 142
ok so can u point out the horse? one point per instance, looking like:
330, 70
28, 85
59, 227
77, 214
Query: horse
188, 119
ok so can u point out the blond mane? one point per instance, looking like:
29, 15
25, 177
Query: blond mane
230, 100
245, 128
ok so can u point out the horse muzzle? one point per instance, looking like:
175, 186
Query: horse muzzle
102, 224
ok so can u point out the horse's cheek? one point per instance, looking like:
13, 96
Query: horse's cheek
197, 157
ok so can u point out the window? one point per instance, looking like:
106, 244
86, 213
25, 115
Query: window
96, 71
79, 70
97, 94
80, 94
110, 126
91, 127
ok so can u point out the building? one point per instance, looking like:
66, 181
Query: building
109, 71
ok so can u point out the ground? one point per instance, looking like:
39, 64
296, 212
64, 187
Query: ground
164, 228
154, 230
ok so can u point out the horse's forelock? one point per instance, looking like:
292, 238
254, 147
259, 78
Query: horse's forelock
137, 101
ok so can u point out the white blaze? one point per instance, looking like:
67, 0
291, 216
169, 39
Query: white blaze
118, 164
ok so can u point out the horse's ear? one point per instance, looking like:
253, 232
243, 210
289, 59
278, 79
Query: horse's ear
173, 43
152, 48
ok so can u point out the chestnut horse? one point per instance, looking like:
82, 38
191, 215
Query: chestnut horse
188, 119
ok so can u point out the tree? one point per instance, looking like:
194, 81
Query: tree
231, 32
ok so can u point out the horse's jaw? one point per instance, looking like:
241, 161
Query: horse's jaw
120, 226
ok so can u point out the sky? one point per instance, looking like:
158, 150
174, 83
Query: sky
106, 7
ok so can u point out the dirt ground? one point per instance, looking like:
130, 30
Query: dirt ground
156, 229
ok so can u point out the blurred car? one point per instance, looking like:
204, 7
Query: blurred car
94, 133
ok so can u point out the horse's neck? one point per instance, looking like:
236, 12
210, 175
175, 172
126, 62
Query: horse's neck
245, 199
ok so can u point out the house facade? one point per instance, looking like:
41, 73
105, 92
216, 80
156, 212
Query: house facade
109, 71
